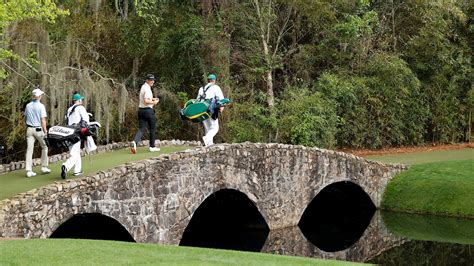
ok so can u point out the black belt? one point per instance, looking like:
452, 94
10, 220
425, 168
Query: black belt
32, 126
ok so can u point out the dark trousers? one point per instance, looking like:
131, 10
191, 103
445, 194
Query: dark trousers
146, 115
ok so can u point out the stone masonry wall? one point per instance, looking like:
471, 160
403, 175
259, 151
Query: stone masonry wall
155, 199
5, 168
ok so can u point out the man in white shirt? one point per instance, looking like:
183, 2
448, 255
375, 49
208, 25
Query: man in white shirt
74, 115
146, 114
210, 91
35, 114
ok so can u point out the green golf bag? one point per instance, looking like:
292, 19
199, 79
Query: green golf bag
196, 110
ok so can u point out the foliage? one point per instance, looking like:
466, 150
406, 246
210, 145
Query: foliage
360, 74
307, 119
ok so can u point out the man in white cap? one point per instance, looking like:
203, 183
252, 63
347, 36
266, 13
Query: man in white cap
35, 114
211, 125
75, 114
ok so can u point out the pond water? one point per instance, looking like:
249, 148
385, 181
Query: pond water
340, 223
388, 239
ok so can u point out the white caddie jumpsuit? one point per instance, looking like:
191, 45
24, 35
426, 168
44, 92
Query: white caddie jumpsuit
75, 150
211, 126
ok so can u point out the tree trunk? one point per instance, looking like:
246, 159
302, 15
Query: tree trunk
136, 63
264, 36
393, 27
125, 9
270, 95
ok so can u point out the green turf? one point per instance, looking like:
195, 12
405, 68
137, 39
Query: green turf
16, 182
441, 188
430, 228
426, 157
90, 252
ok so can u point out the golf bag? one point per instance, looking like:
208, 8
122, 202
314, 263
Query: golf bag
196, 110
65, 136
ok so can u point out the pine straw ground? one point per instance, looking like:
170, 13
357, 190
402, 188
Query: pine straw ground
401, 150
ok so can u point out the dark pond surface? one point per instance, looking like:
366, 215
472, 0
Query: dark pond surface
388, 239
340, 223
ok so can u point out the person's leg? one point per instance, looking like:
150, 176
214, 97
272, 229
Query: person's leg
152, 127
75, 155
30, 140
78, 164
211, 127
39, 135
142, 119
207, 126
213, 130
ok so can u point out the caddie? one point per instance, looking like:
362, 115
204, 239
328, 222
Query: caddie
211, 125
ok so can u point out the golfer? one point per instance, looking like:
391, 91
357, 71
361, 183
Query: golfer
35, 114
146, 114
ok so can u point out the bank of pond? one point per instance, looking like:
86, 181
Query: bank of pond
437, 183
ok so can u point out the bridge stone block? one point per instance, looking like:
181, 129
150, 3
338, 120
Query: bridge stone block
155, 199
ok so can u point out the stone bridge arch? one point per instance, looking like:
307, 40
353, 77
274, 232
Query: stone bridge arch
92, 226
155, 199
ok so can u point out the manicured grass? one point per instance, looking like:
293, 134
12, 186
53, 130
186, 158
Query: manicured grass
442, 188
90, 252
16, 182
430, 228
426, 157
438, 182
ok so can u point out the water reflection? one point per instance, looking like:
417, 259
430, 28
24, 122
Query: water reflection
433, 240
418, 252
403, 239
337, 217
374, 240
227, 219
431, 228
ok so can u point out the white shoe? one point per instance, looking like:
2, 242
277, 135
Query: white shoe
133, 147
45, 170
30, 173
153, 149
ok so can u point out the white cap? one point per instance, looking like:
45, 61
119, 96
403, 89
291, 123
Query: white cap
37, 92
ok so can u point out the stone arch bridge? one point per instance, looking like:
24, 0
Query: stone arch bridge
155, 199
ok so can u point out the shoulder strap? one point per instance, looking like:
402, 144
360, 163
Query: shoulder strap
204, 90
70, 113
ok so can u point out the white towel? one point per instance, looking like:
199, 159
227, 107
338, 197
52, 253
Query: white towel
90, 145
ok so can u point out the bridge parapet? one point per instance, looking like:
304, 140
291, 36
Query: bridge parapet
155, 199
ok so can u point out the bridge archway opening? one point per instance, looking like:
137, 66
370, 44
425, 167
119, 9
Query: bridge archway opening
92, 226
227, 219
337, 217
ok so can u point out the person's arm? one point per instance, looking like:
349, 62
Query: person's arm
219, 93
43, 125
200, 92
219, 96
148, 97
151, 100
83, 113
43, 119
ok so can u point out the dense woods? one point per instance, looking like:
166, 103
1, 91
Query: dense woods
326, 73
